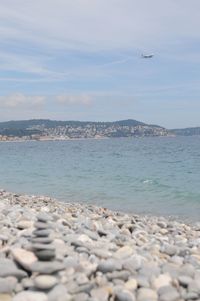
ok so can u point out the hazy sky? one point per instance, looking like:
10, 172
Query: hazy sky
81, 60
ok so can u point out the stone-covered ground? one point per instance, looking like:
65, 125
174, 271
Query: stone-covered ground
51, 251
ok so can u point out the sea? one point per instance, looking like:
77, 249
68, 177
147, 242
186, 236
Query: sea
156, 176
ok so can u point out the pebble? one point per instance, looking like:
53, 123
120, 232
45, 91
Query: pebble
42, 233
7, 285
43, 217
52, 251
123, 252
168, 293
24, 224
134, 263
169, 249
171, 295
45, 255
8, 268
30, 296
45, 282
47, 267
101, 294
38, 246
184, 280
161, 280
23, 257
43, 240
109, 265
125, 295
59, 293
124, 275
146, 294
131, 284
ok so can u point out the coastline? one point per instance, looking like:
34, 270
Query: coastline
51, 250
85, 139
53, 139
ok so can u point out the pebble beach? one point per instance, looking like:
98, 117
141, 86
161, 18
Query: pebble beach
54, 251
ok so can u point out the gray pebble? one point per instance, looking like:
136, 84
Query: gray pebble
8, 284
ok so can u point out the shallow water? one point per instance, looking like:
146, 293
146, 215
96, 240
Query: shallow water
141, 175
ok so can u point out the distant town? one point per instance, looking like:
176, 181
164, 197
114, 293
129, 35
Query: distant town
44, 129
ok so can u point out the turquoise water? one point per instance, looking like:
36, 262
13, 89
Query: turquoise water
146, 175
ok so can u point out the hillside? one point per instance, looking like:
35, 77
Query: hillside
41, 129
47, 123
187, 131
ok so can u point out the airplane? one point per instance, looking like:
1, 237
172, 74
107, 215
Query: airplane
147, 56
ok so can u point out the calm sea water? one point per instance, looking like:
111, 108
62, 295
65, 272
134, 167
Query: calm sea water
146, 175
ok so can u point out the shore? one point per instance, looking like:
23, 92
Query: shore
53, 251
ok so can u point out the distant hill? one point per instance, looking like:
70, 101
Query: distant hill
41, 129
187, 131
47, 123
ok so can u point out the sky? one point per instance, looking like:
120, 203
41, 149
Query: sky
81, 60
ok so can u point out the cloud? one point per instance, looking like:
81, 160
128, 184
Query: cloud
98, 24
82, 99
21, 101
37, 35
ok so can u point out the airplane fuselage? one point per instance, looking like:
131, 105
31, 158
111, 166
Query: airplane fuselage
147, 56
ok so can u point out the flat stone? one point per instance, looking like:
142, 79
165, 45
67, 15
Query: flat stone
150, 269
171, 269
171, 295
47, 267
84, 238
7, 285
71, 262
146, 294
8, 268
59, 293
187, 270
43, 240
168, 293
184, 280
43, 217
100, 294
45, 282
24, 224
123, 252
23, 257
109, 265
101, 253
131, 284
124, 275
37, 246
3, 238
30, 296
125, 295
143, 281
162, 224
85, 288
41, 226
42, 233
161, 280
132, 264
169, 249
45, 255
